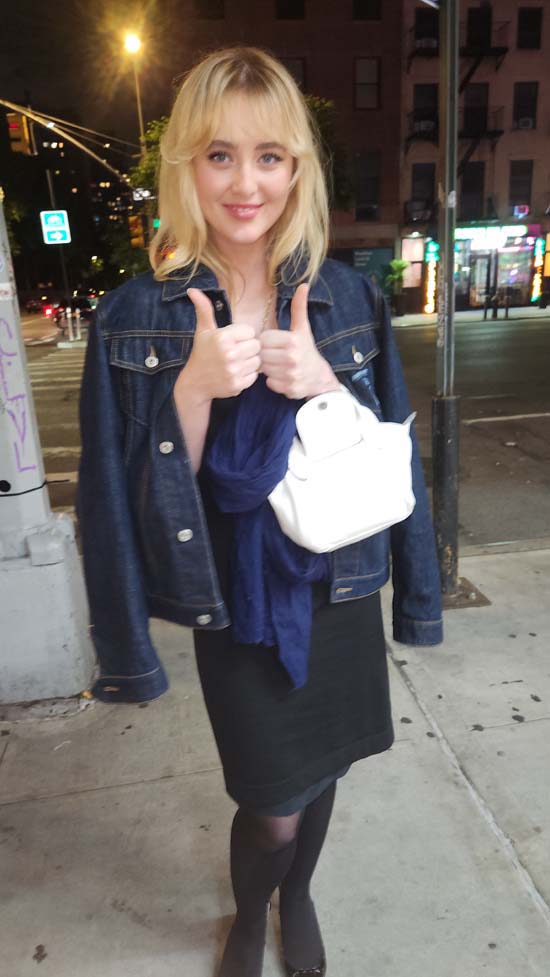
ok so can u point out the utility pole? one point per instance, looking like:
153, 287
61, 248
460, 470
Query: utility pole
46, 649
445, 405
60, 246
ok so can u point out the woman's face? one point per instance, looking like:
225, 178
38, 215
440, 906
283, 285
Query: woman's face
242, 178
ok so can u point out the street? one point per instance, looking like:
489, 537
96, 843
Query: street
502, 377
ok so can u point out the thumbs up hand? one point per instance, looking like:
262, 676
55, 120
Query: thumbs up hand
223, 362
290, 360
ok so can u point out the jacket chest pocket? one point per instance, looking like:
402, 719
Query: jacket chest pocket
147, 366
351, 354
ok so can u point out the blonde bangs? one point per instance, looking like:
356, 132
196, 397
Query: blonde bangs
300, 236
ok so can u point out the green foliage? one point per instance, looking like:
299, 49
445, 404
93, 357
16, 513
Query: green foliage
394, 277
120, 254
336, 158
14, 212
144, 174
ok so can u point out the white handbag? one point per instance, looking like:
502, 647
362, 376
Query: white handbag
349, 474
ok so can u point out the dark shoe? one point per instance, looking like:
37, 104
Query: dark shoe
319, 971
301, 936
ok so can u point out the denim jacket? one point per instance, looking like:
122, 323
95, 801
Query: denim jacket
147, 551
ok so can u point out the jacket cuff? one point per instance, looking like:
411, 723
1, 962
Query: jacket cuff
131, 688
410, 632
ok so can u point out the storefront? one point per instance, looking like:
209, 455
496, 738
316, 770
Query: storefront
506, 260
495, 260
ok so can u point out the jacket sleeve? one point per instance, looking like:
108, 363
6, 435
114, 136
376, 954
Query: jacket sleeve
130, 668
417, 609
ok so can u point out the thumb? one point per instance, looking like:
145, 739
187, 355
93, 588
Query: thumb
299, 321
206, 320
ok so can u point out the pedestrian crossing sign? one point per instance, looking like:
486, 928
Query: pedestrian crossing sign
55, 226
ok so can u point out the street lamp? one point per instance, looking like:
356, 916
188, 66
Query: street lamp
132, 45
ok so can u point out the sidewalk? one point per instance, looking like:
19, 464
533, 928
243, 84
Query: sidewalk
114, 823
472, 315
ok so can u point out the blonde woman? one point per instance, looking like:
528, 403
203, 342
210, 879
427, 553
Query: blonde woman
193, 376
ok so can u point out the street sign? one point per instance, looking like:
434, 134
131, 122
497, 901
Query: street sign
55, 226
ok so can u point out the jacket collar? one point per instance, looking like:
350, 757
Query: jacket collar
176, 285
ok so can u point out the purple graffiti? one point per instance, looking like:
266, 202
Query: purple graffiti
14, 400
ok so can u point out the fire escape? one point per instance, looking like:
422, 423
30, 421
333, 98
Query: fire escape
481, 41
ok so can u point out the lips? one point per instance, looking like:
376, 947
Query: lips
243, 211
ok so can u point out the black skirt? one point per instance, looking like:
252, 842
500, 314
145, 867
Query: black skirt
276, 742
280, 746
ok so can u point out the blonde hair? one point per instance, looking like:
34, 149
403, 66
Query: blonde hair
299, 239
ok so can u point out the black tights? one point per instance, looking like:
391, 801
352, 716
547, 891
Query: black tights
266, 853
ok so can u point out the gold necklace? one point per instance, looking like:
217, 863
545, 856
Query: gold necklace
268, 305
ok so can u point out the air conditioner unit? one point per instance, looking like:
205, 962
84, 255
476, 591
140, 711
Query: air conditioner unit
423, 125
427, 43
526, 123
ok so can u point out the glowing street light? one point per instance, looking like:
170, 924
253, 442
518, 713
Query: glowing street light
132, 43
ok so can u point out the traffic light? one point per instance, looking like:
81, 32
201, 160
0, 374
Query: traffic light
20, 133
135, 225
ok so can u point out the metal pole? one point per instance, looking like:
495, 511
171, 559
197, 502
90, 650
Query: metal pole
445, 412
60, 246
46, 649
140, 113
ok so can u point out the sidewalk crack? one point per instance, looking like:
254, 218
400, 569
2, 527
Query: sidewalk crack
487, 814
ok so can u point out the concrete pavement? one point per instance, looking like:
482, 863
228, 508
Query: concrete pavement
114, 823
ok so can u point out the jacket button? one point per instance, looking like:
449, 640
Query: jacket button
204, 619
358, 357
166, 447
151, 362
184, 535
218, 305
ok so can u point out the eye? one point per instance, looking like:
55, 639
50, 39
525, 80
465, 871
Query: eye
217, 156
272, 156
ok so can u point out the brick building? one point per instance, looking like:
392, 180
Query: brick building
349, 52
503, 149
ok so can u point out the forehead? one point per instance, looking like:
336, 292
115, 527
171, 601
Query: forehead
247, 120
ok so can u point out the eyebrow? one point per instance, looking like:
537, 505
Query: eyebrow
261, 145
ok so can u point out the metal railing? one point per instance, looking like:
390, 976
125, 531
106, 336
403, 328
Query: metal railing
418, 210
496, 37
479, 120
423, 124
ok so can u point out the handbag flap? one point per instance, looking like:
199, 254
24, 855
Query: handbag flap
332, 422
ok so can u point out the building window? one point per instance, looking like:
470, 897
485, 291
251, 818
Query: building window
425, 110
367, 185
210, 9
472, 190
367, 9
423, 184
290, 9
297, 68
476, 109
521, 179
529, 27
479, 27
525, 104
367, 83
426, 28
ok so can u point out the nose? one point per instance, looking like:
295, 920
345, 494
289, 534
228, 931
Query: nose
244, 180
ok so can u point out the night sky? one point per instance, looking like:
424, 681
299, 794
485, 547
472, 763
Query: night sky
67, 57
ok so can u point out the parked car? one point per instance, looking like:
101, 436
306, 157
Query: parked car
83, 304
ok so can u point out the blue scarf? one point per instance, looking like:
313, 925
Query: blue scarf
271, 576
